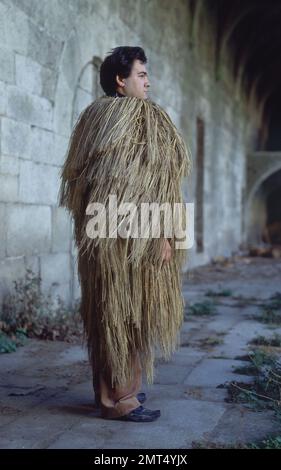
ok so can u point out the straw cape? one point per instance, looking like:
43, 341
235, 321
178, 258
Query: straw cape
131, 300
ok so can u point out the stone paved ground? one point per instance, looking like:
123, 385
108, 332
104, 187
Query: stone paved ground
47, 400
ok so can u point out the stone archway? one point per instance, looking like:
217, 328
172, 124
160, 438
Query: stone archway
259, 167
263, 178
272, 232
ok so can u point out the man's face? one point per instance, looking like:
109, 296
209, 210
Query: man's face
136, 84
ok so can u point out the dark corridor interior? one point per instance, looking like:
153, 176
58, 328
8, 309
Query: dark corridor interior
274, 136
272, 187
252, 31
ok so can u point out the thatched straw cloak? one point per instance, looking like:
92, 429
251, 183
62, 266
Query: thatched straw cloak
131, 301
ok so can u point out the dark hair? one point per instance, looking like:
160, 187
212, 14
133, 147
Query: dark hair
119, 62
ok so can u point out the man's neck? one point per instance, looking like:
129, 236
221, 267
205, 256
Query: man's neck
119, 94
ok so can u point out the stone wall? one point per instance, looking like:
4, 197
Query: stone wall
49, 53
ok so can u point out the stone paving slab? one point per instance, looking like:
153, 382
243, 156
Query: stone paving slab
236, 343
240, 425
215, 372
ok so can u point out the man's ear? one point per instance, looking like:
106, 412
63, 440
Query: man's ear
120, 81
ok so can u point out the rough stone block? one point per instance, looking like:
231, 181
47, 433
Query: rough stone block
34, 77
49, 81
3, 98
3, 234
41, 145
63, 108
14, 28
8, 188
9, 165
39, 183
43, 48
29, 108
76, 285
41, 15
61, 234
28, 74
11, 269
28, 229
55, 274
15, 138
47, 147
60, 149
7, 73
3, 13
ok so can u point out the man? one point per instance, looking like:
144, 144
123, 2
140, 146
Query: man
136, 84
125, 146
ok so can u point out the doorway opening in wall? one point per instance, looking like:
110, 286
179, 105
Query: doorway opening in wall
273, 225
272, 194
199, 219
273, 143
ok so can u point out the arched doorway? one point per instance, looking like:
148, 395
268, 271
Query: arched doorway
272, 189
264, 211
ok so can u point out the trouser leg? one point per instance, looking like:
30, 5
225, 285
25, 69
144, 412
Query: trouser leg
118, 400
